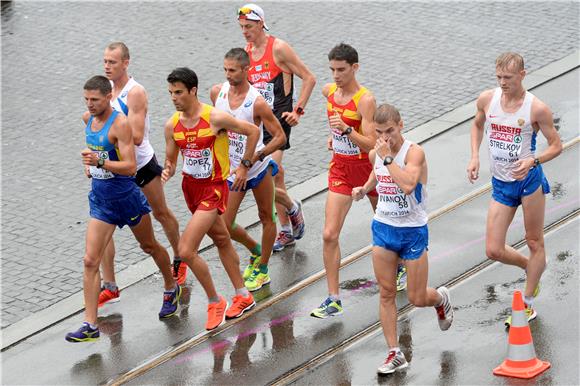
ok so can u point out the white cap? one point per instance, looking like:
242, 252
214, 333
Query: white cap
252, 12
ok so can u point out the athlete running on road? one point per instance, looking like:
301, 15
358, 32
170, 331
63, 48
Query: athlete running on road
511, 118
130, 98
200, 132
238, 98
399, 228
114, 200
273, 64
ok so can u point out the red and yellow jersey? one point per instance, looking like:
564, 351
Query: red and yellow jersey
342, 146
205, 155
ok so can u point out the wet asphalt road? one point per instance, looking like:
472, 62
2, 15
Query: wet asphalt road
283, 336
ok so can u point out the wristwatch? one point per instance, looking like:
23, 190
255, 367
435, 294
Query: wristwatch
299, 111
347, 131
261, 155
247, 163
388, 160
536, 162
100, 163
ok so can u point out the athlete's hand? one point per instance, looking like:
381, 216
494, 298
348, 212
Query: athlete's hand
241, 178
89, 157
337, 123
329, 143
88, 172
166, 174
291, 117
383, 148
358, 193
523, 166
473, 170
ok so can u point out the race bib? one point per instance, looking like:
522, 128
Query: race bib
505, 143
392, 201
100, 173
267, 92
341, 144
198, 163
237, 148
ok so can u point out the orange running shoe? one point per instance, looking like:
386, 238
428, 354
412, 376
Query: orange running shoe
240, 304
179, 271
108, 296
216, 314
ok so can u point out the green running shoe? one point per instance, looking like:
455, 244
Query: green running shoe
256, 280
254, 264
328, 308
401, 277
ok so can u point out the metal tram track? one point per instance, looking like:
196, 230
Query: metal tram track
327, 355
183, 346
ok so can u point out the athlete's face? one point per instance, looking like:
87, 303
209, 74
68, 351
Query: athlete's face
180, 97
251, 29
389, 131
509, 78
235, 73
115, 66
342, 71
96, 102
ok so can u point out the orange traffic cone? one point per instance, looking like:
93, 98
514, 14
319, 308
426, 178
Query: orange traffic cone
521, 360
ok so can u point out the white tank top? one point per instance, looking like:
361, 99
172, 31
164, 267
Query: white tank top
510, 136
143, 152
238, 141
394, 207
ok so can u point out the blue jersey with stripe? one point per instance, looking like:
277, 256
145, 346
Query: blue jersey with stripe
106, 184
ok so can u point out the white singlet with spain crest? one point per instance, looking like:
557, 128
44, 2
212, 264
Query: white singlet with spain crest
510, 136
144, 152
394, 207
244, 112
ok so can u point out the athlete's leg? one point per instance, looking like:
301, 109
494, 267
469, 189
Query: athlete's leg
228, 255
108, 263
99, 233
284, 202
534, 207
197, 227
144, 235
237, 233
264, 194
499, 218
156, 198
385, 267
417, 291
373, 200
337, 207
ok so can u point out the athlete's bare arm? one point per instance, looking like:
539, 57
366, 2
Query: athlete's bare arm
86, 116
137, 105
171, 152
213, 93
325, 91
415, 170
120, 135
264, 114
360, 191
543, 120
288, 61
477, 134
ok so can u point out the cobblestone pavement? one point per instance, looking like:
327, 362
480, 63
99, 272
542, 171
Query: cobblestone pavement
425, 58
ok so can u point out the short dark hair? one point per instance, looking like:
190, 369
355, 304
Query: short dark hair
239, 55
99, 82
184, 75
123, 47
386, 113
345, 52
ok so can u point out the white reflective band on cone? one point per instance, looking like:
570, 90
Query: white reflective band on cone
521, 352
519, 319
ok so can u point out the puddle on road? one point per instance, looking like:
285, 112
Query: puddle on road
557, 189
561, 256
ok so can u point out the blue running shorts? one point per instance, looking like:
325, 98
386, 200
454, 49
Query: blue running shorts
511, 193
408, 242
254, 182
126, 210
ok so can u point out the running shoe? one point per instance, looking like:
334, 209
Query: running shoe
401, 277
395, 361
445, 310
256, 280
179, 271
83, 334
284, 239
240, 304
108, 296
254, 263
530, 313
297, 221
216, 314
328, 308
170, 303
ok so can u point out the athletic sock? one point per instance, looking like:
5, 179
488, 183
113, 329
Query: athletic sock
215, 299
243, 291
264, 268
287, 228
92, 326
528, 300
171, 291
257, 250
334, 298
395, 349
294, 208
111, 286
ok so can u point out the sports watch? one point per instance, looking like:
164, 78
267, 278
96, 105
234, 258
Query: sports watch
388, 160
100, 163
247, 163
299, 111
347, 131
536, 162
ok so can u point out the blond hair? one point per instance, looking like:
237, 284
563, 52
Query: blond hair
386, 113
509, 60
124, 50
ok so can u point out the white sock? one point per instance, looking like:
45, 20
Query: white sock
287, 228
